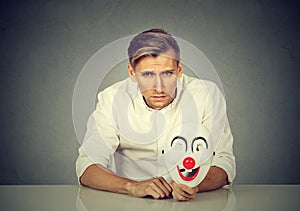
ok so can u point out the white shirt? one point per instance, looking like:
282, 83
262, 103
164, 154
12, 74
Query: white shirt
126, 136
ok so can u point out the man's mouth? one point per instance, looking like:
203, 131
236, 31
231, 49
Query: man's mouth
188, 175
159, 96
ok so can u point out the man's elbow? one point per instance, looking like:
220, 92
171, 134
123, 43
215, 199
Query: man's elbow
85, 178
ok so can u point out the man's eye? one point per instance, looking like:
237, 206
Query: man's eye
147, 74
167, 73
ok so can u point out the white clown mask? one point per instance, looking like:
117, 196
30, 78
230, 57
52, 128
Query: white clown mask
190, 155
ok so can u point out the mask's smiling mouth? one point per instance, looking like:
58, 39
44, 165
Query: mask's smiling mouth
188, 175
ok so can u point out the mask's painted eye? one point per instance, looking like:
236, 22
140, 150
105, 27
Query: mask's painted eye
179, 143
199, 144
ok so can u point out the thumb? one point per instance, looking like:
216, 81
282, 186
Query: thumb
173, 183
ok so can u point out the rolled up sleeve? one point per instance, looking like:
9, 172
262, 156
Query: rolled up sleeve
224, 157
101, 138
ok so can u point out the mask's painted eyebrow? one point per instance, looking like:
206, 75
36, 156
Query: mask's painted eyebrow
197, 138
181, 138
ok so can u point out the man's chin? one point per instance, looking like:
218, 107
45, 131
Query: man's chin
158, 105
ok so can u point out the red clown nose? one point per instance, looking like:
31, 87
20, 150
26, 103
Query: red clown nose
189, 162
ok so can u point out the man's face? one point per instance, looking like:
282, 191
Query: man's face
157, 79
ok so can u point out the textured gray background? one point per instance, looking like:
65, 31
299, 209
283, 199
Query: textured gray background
254, 46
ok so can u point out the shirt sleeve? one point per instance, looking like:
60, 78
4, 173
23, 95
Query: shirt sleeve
224, 157
101, 138
215, 118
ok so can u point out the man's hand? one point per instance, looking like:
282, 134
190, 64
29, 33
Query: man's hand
215, 178
157, 188
183, 192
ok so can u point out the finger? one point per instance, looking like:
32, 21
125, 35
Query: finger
174, 196
153, 193
166, 184
178, 197
190, 193
162, 186
179, 189
154, 187
187, 189
184, 188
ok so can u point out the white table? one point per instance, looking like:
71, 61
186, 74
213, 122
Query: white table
72, 197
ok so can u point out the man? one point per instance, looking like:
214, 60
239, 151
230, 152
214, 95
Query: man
112, 151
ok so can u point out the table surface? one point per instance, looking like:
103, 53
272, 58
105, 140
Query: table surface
72, 197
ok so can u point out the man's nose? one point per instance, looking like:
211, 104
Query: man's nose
158, 84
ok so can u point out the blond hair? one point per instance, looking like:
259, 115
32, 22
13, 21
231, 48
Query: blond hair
152, 43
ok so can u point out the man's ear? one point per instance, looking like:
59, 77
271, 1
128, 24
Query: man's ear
131, 72
179, 69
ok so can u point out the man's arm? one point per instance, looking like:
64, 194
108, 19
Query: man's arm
215, 178
98, 177
95, 150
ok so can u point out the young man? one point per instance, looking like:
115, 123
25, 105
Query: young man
126, 130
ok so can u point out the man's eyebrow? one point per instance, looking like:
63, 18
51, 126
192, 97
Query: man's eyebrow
169, 70
147, 71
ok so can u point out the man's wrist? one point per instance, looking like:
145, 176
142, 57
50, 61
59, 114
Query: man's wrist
196, 188
129, 186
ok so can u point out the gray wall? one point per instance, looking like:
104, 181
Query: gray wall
254, 46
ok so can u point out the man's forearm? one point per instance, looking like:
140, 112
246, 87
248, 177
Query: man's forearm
215, 178
100, 178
